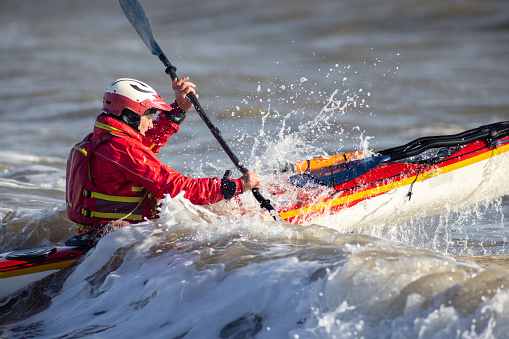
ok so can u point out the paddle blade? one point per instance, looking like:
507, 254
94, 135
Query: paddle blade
136, 16
335, 175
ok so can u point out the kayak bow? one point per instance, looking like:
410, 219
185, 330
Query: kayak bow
450, 168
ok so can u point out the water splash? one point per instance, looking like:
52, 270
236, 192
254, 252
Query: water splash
316, 128
195, 274
475, 230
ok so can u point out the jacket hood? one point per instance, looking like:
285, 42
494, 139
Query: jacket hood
105, 124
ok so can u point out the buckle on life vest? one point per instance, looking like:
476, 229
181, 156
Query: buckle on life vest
87, 193
86, 213
82, 228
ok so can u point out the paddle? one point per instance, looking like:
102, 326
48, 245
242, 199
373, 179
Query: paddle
136, 16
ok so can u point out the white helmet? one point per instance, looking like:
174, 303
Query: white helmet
134, 95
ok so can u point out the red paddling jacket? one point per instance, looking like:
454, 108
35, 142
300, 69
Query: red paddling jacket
114, 174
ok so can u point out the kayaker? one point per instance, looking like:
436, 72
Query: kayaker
113, 176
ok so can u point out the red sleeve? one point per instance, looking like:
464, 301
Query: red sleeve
163, 129
140, 165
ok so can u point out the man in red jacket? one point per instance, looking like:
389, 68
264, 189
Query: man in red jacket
113, 175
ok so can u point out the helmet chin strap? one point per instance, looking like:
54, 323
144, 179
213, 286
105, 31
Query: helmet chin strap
129, 118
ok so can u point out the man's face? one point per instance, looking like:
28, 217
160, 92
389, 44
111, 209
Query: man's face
145, 123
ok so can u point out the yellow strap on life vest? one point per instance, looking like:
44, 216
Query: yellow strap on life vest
82, 150
106, 197
112, 216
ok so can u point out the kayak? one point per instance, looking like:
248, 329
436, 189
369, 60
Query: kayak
423, 175
23, 267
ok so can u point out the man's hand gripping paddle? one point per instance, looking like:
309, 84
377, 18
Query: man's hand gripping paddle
136, 16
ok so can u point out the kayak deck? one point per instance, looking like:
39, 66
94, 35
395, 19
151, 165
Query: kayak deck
20, 268
325, 192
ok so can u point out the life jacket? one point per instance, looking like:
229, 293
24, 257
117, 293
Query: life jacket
86, 206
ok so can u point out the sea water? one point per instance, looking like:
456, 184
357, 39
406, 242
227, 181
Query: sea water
283, 81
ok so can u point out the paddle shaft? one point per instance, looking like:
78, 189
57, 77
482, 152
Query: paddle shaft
136, 16
171, 71
264, 203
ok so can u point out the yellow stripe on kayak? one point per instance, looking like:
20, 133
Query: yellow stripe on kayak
36, 269
386, 188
